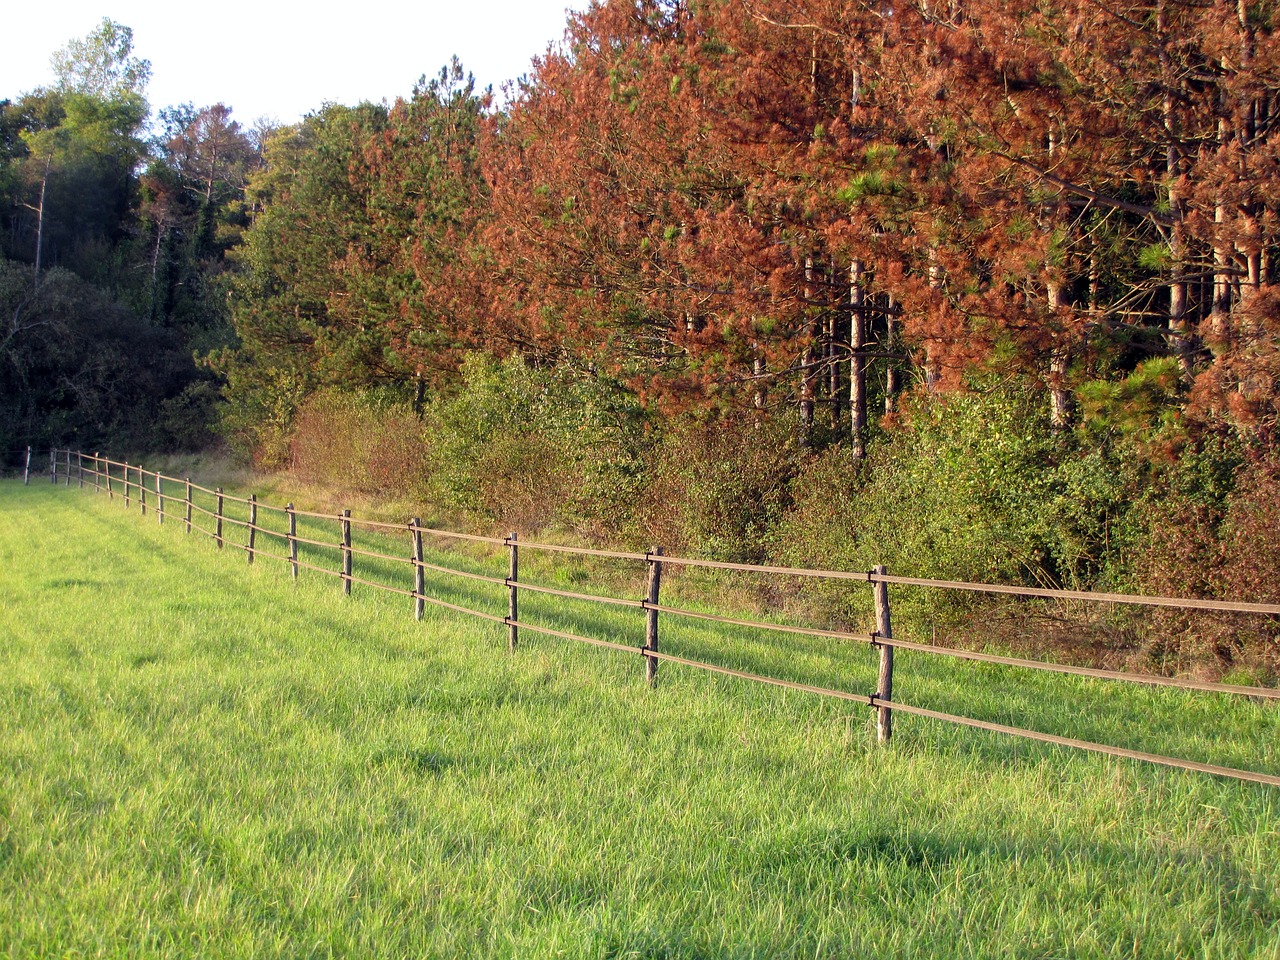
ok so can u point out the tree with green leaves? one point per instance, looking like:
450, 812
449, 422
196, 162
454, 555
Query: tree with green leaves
293, 330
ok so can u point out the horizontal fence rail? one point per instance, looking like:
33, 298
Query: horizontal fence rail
108, 476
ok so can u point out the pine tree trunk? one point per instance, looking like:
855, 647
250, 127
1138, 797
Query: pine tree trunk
887, 345
808, 375
1220, 304
1178, 340
857, 361
1059, 360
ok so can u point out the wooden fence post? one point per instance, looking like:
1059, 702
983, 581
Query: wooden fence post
292, 538
159, 500
126, 484
26, 471
651, 618
253, 524
142, 490
97, 471
513, 598
79, 470
53, 467
217, 526
68, 466
884, 629
419, 573
187, 504
346, 552
111, 495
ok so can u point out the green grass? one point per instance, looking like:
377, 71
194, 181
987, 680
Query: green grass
201, 758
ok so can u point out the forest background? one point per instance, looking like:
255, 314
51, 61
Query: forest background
981, 289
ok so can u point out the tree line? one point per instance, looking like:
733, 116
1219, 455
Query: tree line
806, 204
114, 229
1031, 245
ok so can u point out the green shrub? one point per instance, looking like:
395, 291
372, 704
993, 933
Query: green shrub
720, 486
532, 447
972, 486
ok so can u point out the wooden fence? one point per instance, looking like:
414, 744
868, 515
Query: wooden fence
133, 485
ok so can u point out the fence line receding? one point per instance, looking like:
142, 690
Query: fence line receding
102, 474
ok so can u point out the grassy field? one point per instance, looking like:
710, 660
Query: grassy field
202, 758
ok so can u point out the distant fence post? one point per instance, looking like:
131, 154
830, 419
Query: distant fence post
106, 468
142, 490
126, 484
53, 467
292, 538
80, 469
97, 471
345, 520
884, 629
651, 618
68, 478
26, 470
187, 504
419, 572
217, 525
513, 598
159, 500
253, 524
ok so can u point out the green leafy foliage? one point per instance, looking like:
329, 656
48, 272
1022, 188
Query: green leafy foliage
720, 486
528, 447
973, 486
70, 370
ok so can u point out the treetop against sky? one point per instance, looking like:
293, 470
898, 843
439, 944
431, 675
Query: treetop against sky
267, 60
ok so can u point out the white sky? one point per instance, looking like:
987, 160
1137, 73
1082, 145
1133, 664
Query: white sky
283, 60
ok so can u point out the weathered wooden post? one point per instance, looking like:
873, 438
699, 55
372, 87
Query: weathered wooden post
651, 617
346, 552
53, 467
217, 525
292, 538
97, 471
26, 470
68, 471
142, 490
106, 468
126, 484
513, 597
419, 572
159, 500
80, 469
253, 524
187, 504
884, 630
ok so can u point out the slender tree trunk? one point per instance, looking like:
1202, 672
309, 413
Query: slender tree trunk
1059, 360
1220, 304
161, 229
44, 183
857, 361
931, 372
1178, 292
808, 375
759, 395
888, 345
834, 346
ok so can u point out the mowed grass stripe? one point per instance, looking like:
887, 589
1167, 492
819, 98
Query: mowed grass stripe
198, 757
